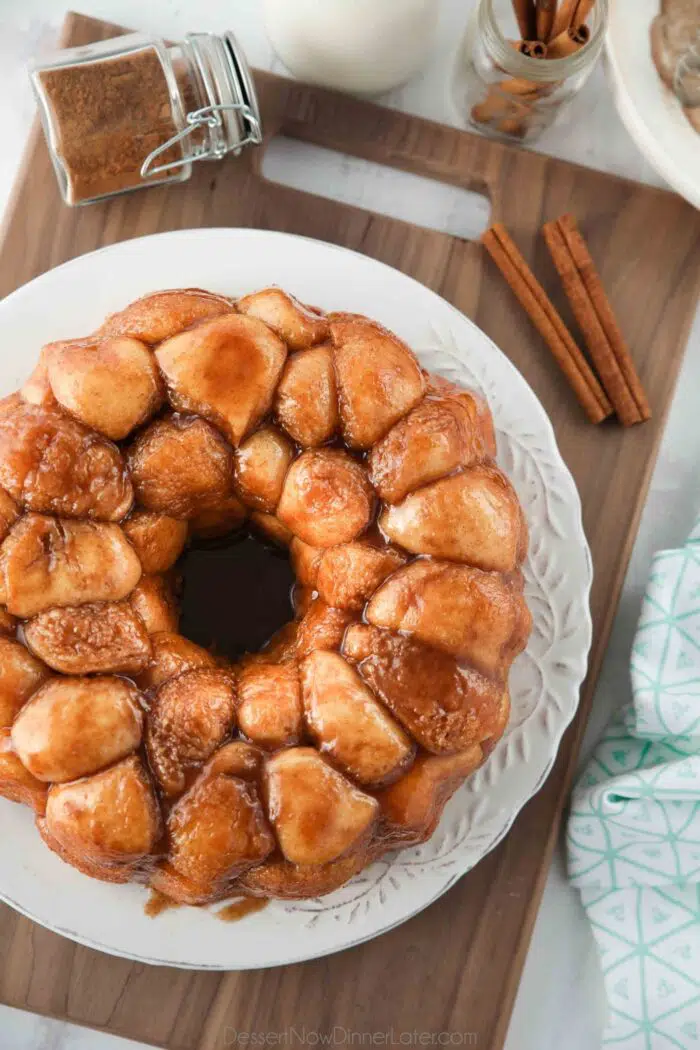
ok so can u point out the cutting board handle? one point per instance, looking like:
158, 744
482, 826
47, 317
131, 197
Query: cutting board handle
363, 129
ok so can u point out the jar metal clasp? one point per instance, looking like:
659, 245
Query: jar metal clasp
207, 117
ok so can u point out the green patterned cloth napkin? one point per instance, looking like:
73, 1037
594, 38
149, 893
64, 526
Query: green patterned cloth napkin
634, 830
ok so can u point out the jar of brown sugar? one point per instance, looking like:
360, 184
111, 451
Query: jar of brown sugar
137, 111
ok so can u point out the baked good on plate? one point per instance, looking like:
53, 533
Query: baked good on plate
675, 48
148, 757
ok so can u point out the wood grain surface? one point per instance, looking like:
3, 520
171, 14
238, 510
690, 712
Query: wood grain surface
455, 967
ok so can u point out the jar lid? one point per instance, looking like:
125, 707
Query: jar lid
245, 80
231, 116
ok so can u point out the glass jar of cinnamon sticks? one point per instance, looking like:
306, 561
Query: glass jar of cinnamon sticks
509, 83
138, 111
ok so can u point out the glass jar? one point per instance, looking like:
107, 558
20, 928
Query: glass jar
500, 89
136, 111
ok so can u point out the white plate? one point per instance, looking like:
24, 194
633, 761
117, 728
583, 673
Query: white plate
70, 301
650, 111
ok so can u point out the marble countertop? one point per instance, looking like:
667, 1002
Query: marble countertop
560, 1000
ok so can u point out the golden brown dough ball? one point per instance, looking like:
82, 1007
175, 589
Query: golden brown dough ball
349, 724
379, 379
350, 573
54, 465
189, 717
21, 674
269, 705
73, 727
98, 637
434, 439
47, 562
172, 655
224, 516
216, 831
262, 463
298, 325
16, 782
413, 805
104, 824
225, 370
477, 616
321, 627
473, 517
111, 385
326, 498
181, 466
445, 706
153, 601
157, 539
163, 314
306, 403
318, 815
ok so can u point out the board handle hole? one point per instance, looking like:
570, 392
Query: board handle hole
374, 187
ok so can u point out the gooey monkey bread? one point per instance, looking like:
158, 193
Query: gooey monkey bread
147, 757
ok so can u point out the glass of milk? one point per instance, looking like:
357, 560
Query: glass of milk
365, 47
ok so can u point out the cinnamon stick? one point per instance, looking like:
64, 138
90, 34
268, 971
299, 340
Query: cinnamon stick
563, 17
527, 90
493, 107
545, 10
525, 15
544, 316
568, 42
604, 360
597, 321
581, 12
532, 48
571, 14
509, 103
512, 125
499, 107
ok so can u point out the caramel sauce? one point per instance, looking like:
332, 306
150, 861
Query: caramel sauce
157, 903
236, 592
237, 910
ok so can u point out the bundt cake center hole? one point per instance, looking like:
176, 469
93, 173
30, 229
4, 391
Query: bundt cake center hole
236, 592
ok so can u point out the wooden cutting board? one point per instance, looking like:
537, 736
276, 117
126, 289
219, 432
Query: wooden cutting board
455, 967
